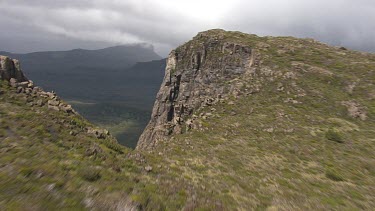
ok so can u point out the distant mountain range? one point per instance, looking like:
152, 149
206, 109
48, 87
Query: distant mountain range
107, 86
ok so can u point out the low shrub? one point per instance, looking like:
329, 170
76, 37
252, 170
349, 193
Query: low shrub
89, 174
333, 175
334, 136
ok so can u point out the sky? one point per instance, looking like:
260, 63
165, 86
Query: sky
42, 25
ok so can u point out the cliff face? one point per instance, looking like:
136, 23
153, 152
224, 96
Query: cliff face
195, 77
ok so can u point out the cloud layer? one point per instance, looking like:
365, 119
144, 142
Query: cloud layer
55, 25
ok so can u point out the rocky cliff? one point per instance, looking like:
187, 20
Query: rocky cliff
219, 67
197, 75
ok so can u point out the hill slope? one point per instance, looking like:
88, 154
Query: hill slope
50, 157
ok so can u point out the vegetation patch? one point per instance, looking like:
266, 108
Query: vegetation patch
335, 136
90, 174
334, 175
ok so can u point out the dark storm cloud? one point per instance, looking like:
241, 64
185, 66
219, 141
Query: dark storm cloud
47, 25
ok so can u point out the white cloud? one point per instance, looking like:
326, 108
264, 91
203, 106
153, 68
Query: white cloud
169, 23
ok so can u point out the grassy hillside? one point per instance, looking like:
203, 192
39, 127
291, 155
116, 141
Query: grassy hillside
45, 167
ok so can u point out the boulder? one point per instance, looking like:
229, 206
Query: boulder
51, 95
40, 102
73, 133
23, 84
13, 82
20, 89
98, 133
30, 84
56, 108
67, 108
148, 168
53, 102
94, 150
28, 90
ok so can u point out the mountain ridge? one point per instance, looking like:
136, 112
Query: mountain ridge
240, 122
265, 122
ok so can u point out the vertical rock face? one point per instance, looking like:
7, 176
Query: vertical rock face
10, 68
195, 77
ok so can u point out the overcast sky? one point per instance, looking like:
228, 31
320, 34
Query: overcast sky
38, 25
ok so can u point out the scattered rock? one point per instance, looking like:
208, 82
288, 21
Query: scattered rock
56, 108
30, 84
269, 130
53, 102
209, 101
94, 150
40, 102
50, 187
99, 133
28, 91
13, 82
350, 87
23, 84
148, 168
355, 110
73, 133
51, 95
67, 108
343, 48
290, 100
20, 89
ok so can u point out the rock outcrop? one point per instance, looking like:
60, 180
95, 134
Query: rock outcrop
10, 68
195, 77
